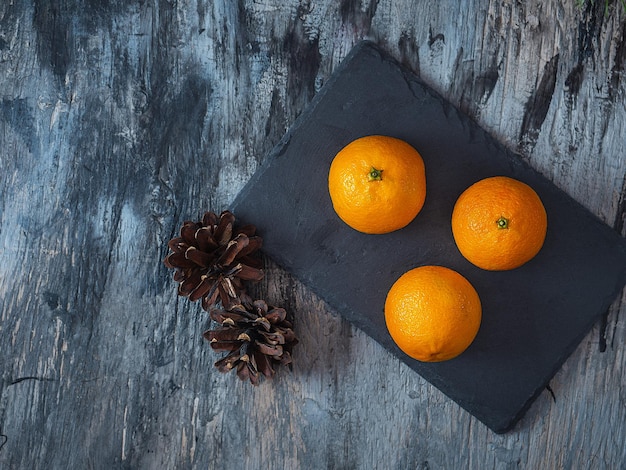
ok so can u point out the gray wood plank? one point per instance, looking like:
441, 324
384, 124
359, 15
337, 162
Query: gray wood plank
119, 120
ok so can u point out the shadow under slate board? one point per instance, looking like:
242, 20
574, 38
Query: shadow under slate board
533, 316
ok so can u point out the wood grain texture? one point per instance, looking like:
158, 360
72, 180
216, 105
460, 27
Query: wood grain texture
119, 120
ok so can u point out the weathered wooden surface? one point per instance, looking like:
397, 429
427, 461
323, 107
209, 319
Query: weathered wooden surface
119, 120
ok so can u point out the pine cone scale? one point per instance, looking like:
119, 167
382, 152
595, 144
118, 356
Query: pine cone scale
228, 362
220, 316
224, 231
224, 346
259, 342
190, 283
209, 219
224, 335
177, 245
247, 273
273, 338
188, 233
288, 335
276, 315
254, 244
201, 290
199, 257
208, 259
211, 297
204, 238
286, 358
269, 350
233, 249
178, 260
248, 230
264, 365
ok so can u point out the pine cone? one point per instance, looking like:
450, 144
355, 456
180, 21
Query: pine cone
256, 336
212, 258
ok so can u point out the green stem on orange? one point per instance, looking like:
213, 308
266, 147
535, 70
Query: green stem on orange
375, 175
502, 222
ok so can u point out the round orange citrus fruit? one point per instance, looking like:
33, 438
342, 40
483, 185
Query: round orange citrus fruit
499, 223
432, 313
377, 184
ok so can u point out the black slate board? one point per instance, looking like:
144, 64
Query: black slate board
533, 317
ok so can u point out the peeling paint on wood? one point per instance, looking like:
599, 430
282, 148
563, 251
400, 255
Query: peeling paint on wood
119, 120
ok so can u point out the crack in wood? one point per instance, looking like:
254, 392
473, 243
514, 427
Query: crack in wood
22, 379
589, 29
618, 66
432, 39
409, 51
352, 14
604, 320
537, 106
620, 214
574, 80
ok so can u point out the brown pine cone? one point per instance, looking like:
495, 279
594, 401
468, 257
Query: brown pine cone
212, 259
256, 336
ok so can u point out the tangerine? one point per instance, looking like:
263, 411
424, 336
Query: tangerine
499, 223
377, 184
433, 313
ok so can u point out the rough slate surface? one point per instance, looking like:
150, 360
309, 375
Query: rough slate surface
533, 317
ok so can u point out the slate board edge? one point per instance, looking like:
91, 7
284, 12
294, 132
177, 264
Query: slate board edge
506, 427
278, 150
410, 76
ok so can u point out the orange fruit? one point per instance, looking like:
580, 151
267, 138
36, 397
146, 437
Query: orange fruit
432, 313
377, 184
499, 223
